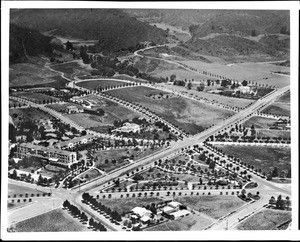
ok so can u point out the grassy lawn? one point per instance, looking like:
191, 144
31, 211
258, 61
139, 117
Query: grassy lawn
124, 205
34, 97
191, 222
213, 206
267, 219
57, 220
91, 174
278, 108
264, 158
189, 115
16, 189
99, 83
260, 122
62, 107
28, 114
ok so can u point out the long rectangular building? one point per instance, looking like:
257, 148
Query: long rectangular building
53, 154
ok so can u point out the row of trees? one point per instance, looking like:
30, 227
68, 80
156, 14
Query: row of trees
83, 217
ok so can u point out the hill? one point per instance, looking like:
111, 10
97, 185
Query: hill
25, 43
114, 28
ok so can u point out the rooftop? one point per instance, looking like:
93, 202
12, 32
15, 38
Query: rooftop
46, 149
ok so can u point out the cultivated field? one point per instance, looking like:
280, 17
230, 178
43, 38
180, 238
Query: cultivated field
101, 83
187, 114
27, 114
191, 222
57, 220
35, 97
213, 206
124, 205
254, 72
278, 108
234, 102
267, 219
264, 158
260, 122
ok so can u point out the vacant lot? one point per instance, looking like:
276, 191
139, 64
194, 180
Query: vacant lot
213, 206
264, 158
101, 83
27, 114
16, 189
191, 222
250, 71
124, 205
267, 219
260, 122
285, 98
35, 97
278, 108
189, 115
57, 220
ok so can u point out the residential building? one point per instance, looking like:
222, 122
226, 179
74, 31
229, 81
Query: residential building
73, 109
52, 154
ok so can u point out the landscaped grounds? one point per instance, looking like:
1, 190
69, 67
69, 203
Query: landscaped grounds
191, 116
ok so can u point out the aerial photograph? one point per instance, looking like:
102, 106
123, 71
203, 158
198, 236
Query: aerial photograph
148, 120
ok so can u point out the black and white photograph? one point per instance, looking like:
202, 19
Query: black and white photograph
149, 120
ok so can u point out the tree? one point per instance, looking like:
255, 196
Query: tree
279, 202
201, 87
172, 77
244, 83
253, 32
69, 46
189, 86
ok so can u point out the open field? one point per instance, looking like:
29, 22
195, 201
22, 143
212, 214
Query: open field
264, 158
191, 222
254, 72
27, 114
101, 83
234, 102
285, 98
57, 220
35, 97
260, 122
278, 108
189, 115
124, 205
213, 206
26, 74
267, 219
181, 74
16, 189
62, 106
71, 69
91, 174
152, 66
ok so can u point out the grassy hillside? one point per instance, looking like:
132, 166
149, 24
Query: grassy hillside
113, 28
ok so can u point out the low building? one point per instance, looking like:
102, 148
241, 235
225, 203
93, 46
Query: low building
62, 156
179, 214
73, 109
33, 175
129, 127
168, 209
